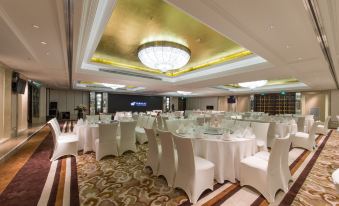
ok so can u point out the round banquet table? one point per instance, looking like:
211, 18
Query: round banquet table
282, 129
87, 134
225, 154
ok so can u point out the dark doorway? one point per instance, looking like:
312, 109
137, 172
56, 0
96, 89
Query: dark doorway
182, 104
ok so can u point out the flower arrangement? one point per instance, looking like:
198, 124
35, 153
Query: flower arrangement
81, 107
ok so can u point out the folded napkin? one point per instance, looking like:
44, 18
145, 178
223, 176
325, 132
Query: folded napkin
181, 128
239, 132
80, 121
248, 132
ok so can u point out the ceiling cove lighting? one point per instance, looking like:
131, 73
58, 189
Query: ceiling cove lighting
184, 93
253, 84
114, 86
164, 55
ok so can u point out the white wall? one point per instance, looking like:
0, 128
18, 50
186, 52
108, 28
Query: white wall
13, 107
334, 104
174, 100
201, 103
2, 98
67, 100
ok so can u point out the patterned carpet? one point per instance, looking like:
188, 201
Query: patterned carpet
124, 180
318, 188
30, 178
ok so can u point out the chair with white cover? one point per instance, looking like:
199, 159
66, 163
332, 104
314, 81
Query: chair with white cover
194, 174
271, 133
260, 130
154, 151
106, 144
141, 121
168, 158
335, 178
301, 124
265, 176
284, 164
173, 125
309, 120
126, 140
322, 128
164, 122
140, 132
305, 140
63, 145
135, 116
159, 122
58, 131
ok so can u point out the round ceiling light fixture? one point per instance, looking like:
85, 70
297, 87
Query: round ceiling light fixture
164, 55
253, 84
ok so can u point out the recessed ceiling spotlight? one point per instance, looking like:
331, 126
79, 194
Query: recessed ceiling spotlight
34, 26
288, 46
253, 84
299, 58
184, 92
47, 53
113, 86
270, 27
43, 42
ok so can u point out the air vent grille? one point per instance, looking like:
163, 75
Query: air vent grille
133, 74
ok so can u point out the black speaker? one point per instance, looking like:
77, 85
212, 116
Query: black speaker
209, 107
53, 105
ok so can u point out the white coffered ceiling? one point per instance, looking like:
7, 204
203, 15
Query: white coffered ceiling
279, 32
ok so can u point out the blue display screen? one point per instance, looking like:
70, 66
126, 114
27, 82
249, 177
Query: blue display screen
138, 104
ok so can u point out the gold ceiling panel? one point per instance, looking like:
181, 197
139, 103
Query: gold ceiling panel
270, 82
135, 22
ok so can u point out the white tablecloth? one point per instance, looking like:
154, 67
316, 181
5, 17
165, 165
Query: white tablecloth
225, 154
282, 129
87, 135
308, 125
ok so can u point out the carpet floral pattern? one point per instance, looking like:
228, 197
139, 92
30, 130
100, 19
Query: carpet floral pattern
318, 189
123, 180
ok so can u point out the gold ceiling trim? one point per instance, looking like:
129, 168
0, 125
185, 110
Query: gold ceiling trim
177, 72
211, 63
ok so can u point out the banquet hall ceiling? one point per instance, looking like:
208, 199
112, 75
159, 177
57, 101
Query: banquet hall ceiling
282, 46
134, 23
